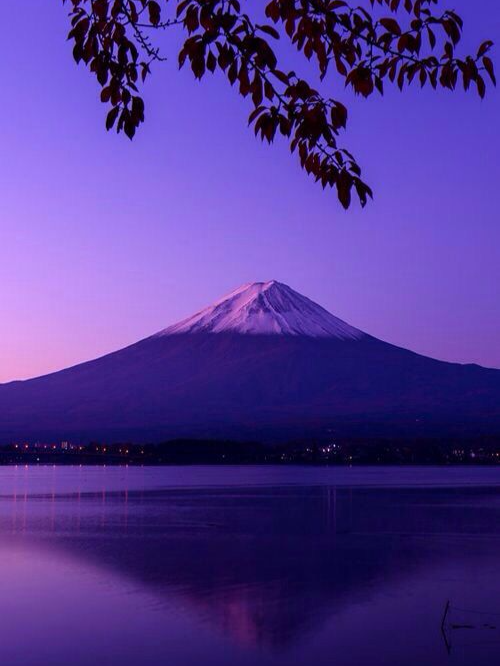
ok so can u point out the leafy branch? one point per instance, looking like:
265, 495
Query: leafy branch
115, 39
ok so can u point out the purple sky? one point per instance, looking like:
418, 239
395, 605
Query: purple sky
104, 241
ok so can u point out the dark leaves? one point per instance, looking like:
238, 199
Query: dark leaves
414, 43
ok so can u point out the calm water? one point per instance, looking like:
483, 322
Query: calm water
249, 565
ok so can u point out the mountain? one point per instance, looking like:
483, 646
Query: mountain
263, 363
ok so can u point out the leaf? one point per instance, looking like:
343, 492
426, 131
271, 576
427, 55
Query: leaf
256, 112
269, 30
481, 87
432, 38
111, 117
129, 128
211, 62
344, 185
488, 66
391, 25
154, 12
484, 48
106, 94
181, 7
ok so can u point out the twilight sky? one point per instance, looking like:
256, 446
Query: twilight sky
104, 241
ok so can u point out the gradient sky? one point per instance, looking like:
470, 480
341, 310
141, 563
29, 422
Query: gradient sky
104, 241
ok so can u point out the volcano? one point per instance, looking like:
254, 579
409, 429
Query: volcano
263, 363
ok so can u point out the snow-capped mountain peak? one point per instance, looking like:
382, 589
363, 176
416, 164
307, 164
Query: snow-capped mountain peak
265, 308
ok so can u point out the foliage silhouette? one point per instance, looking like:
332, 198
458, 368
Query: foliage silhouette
395, 41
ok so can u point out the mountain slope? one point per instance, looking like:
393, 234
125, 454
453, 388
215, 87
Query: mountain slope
245, 368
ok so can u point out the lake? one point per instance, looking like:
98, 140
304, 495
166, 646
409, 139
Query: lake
245, 566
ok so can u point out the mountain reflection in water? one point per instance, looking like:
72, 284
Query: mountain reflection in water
282, 573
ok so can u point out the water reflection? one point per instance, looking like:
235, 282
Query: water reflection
352, 573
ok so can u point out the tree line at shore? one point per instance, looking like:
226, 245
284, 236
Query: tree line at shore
484, 450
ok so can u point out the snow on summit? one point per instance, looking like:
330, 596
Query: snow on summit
265, 308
